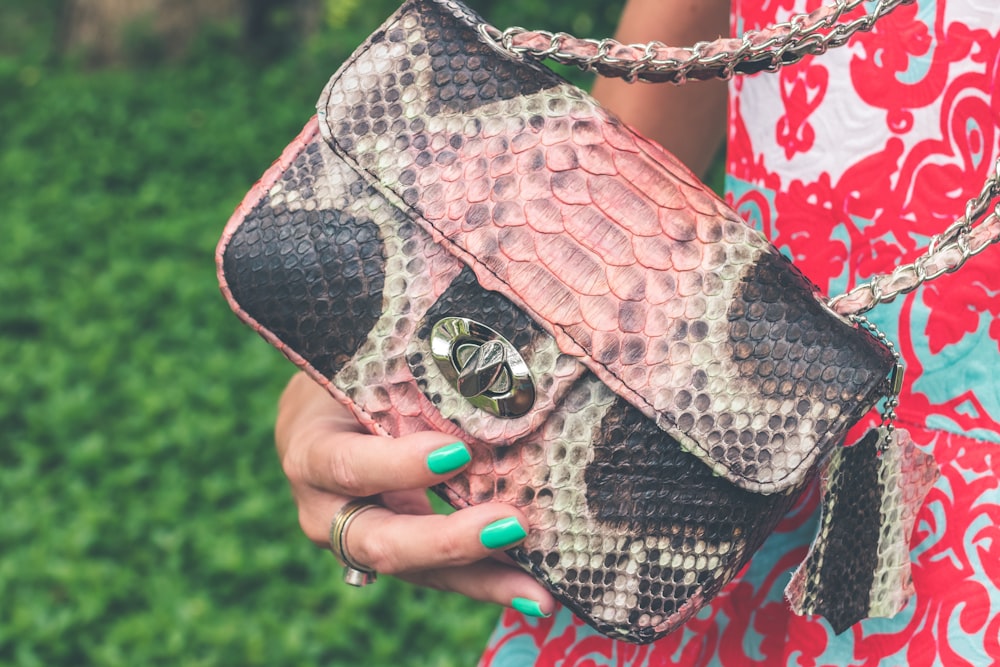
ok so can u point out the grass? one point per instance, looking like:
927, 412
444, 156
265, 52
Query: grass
145, 517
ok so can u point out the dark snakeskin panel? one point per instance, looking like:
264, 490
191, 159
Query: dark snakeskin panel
851, 557
698, 529
311, 274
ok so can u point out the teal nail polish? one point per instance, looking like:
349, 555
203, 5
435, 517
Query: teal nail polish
502, 533
448, 458
528, 607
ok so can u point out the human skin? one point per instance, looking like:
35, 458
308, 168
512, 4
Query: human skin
330, 459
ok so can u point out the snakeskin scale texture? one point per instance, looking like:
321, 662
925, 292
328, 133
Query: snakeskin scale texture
607, 242
308, 262
608, 535
859, 564
633, 555
687, 376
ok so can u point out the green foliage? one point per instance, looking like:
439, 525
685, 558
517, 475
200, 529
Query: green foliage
28, 28
337, 13
145, 517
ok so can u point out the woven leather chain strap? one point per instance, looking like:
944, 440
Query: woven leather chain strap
946, 253
768, 50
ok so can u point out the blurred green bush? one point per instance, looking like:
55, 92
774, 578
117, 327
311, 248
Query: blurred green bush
145, 518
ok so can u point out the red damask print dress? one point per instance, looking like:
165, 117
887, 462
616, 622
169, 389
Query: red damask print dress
850, 162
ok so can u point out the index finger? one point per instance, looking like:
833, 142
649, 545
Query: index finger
322, 445
355, 464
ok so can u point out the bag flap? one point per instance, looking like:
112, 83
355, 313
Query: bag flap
348, 287
609, 243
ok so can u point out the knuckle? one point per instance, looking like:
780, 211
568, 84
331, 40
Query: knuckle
378, 555
313, 529
292, 470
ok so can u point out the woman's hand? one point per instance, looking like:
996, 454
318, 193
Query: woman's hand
329, 460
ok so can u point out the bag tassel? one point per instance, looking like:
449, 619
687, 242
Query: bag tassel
859, 564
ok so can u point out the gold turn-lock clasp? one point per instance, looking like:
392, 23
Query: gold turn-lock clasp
483, 366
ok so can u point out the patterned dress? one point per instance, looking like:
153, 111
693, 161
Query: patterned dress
850, 162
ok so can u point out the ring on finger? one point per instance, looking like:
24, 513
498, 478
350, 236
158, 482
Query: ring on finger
355, 573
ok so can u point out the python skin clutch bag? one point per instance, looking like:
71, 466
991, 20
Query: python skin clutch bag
462, 241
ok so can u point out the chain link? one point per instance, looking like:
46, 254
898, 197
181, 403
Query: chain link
759, 50
888, 424
946, 253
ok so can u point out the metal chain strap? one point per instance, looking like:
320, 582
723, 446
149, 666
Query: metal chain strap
946, 253
755, 51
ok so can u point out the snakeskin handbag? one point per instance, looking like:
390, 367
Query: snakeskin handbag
462, 241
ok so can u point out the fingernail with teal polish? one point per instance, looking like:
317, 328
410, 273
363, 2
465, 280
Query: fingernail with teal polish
528, 607
448, 458
502, 533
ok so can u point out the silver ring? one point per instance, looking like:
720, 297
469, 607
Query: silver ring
355, 574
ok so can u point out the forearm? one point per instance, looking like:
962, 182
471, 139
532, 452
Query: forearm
688, 120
